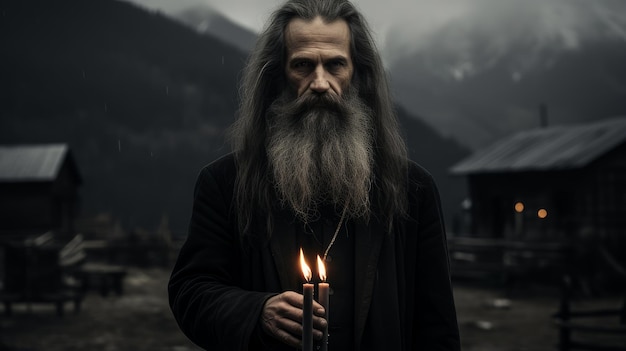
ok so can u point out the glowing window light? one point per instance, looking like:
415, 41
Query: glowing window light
519, 207
542, 213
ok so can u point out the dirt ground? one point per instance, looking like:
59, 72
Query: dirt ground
140, 320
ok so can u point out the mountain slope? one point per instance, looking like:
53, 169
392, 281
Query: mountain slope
142, 100
207, 21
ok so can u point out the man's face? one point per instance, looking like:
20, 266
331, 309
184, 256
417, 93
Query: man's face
318, 56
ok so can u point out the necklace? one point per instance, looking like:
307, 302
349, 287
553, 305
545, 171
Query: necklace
332, 241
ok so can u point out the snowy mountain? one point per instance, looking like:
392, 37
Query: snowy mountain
206, 20
484, 76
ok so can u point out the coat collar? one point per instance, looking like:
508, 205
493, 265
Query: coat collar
369, 237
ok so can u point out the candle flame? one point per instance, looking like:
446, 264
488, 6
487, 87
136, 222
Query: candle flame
321, 268
306, 270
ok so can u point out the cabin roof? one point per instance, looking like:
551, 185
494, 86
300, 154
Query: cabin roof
38, 163
553, 148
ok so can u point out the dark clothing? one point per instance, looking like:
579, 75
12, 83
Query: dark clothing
401, 292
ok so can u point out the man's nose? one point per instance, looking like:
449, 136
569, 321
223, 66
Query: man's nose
319, 84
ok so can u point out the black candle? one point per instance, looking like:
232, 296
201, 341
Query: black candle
324, 300
307, 309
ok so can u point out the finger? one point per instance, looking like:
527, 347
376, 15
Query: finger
288, 315
293, 298
290, 326
290, 312
292, 322
318, 309
319, 325
296, 300
279, 306
295, 314
294, 326
283, 329
288, 338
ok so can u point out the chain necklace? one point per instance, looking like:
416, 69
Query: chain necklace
332, 241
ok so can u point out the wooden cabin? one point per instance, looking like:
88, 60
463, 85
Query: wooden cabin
551, 184
39, 187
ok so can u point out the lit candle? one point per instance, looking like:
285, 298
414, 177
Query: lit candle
307, 309
323, 300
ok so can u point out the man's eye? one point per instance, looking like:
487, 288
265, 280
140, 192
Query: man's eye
335, 65
302, 64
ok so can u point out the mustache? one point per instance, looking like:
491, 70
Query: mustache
325, 101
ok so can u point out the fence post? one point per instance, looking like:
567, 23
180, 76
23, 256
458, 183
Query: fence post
564, 314
622, 314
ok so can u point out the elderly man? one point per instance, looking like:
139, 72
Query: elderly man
318, 164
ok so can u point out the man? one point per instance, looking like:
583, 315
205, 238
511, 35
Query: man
318, 164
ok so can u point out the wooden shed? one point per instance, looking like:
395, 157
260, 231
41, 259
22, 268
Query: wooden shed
39, 187
551, 184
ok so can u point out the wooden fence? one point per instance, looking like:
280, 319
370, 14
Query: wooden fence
570, 322
507, 262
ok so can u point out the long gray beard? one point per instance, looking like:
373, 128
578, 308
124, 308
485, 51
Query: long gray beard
320, 153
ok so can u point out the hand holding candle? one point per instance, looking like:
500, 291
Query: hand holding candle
281, 318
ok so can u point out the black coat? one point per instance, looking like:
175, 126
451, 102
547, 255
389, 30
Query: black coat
403, 296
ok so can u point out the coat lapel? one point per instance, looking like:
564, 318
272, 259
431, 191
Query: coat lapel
282, 246
369, 238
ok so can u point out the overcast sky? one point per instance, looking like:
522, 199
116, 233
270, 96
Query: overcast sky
404, 21
418, 15
465, 37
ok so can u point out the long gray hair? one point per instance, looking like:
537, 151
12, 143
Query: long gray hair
264, 80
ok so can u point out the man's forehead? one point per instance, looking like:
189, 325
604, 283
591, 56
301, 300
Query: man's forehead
302, 32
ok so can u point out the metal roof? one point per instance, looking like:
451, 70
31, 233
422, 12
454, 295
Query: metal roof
31, 162
559, 147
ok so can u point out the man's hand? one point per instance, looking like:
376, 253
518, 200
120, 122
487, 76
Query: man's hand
282, 318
